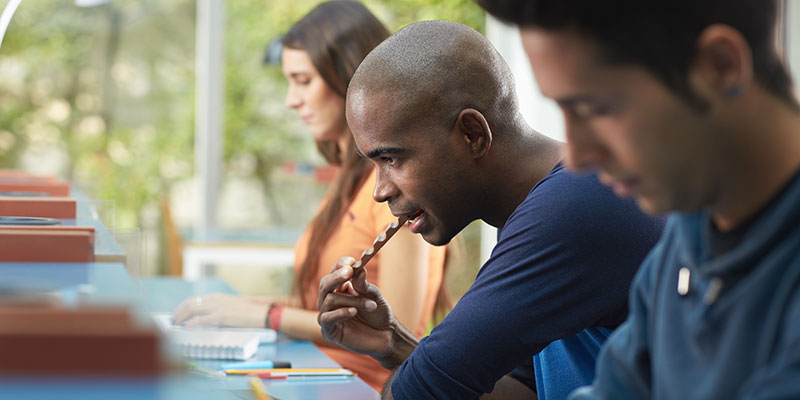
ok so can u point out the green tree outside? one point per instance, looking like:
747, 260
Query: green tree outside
104, 97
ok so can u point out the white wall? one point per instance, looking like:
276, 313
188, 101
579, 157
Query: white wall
541, 113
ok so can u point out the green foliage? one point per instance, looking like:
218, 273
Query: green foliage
110, 87
104, 96
397, 14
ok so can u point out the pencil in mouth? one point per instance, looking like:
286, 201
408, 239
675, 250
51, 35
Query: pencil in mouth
384, 237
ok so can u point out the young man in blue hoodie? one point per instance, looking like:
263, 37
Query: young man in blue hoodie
686, 106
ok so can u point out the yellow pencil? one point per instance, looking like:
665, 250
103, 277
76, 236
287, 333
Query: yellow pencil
292, 371
259, 391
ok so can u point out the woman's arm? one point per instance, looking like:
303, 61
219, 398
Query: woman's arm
293, 301
221, 310
227, 310
247, 312
301, 324
403, 277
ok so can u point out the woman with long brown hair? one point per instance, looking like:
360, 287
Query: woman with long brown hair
321, 53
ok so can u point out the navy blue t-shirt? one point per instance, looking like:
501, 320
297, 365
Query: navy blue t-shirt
563, 263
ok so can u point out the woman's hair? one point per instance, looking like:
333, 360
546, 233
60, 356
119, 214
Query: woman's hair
337, 35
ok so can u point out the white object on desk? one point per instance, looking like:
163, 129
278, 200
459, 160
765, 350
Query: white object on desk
214, 343
164, 321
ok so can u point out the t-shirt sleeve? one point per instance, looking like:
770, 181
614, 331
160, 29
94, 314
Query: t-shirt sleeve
563, 263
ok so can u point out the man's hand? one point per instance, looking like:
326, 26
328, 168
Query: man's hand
221, 310
354, 315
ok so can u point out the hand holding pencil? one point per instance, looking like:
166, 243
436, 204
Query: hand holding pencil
360, 321
353, 312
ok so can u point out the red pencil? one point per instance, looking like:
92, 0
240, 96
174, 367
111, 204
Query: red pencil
266, 375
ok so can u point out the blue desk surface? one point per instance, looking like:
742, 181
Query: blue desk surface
164, 294
101, 283
109, 283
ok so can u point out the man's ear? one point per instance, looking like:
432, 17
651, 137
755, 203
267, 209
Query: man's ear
722, 67
471, 125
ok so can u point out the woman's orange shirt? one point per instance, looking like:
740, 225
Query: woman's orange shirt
364, 220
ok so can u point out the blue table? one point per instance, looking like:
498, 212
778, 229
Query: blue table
102, 283
109, 283
164, 294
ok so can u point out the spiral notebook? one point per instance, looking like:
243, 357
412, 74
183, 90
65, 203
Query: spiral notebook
164, 321
213, 343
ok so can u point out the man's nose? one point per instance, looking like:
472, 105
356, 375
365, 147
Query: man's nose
385, 190
584, 149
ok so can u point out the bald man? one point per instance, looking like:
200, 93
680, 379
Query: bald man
434, 108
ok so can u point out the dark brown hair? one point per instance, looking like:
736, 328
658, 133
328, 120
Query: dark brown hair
337, 35
660, 35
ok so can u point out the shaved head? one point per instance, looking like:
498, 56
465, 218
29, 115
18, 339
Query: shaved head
433, 107
428, 72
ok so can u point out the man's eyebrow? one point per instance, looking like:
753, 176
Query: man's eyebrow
572, 100
568, 101
380, 151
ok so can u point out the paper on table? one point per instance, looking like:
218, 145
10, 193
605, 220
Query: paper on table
164, 321
213, 343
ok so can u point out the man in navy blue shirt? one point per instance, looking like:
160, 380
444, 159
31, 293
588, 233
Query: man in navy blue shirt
434, 108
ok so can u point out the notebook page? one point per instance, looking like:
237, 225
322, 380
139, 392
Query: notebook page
164, 321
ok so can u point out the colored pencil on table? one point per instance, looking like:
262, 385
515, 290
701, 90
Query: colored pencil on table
259, 391
293, 372
269, 375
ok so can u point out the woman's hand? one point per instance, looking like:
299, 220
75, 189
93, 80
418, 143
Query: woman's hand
221, 310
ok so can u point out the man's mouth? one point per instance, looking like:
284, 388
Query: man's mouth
414, 215
415, 221
624, 188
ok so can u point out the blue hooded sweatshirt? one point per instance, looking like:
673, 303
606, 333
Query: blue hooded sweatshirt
704, 327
